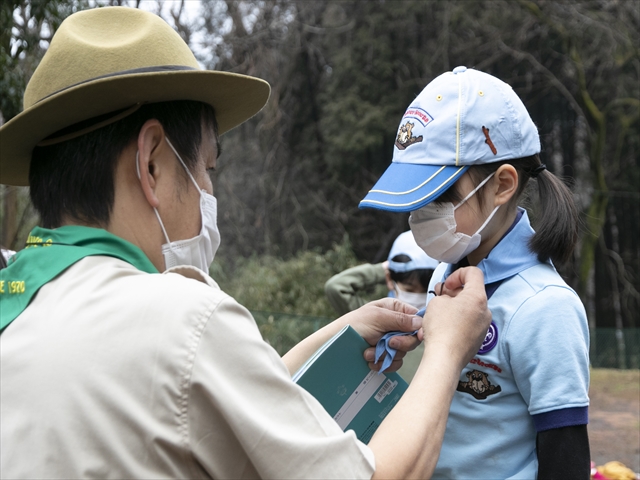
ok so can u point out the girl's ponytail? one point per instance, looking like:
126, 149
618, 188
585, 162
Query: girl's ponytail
556, 224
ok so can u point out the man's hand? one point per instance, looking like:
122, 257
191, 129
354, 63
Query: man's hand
371, 321
457, 319
407, 443
375, 319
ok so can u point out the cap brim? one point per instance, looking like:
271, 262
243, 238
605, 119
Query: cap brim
235, 98
405, 187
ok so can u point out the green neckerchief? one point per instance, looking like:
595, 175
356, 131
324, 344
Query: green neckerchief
49, 253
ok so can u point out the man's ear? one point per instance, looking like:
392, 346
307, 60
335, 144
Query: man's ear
505, 184
149, 142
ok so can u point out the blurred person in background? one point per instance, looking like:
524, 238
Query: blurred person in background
406, 273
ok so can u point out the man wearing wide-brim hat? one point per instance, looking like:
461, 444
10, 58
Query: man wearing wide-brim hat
110, 369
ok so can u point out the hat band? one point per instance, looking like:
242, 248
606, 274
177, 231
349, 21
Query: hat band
118, 116
63, 138
156, 69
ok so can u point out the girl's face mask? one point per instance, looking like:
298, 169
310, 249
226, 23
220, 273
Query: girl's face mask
434, 229
199, 250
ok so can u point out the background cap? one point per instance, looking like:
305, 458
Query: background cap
405, 244
462, 118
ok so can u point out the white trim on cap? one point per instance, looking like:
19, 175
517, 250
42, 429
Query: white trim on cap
377, 202
413, 189
422, 184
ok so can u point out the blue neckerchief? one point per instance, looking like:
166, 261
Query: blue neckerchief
383, 344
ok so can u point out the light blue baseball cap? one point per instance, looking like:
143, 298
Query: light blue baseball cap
405, 244
462, 118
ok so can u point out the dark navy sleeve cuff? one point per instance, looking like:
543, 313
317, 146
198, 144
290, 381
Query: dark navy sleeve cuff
566, 417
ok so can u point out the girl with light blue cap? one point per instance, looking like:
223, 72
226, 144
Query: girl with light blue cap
466, 149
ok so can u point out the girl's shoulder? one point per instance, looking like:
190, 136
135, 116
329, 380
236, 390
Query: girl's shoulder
542, 276
538, 288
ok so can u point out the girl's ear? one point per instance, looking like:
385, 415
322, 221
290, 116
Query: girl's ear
505, 184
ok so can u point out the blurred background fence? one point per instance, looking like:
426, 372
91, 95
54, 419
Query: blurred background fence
610, 348
613, 348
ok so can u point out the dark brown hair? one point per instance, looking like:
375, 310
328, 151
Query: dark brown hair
557, 223
420, 275
75, 179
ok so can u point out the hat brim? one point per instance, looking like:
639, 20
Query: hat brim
235, 98
405, 187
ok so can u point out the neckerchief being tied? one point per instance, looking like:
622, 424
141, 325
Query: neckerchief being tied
48, 253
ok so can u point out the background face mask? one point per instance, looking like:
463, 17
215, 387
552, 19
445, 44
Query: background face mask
434, 229
200, 250
414, 299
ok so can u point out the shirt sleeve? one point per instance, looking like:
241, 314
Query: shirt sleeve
247, 419
344, 289
547, 344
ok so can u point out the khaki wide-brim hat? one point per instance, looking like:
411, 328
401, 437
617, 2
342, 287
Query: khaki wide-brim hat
109, 59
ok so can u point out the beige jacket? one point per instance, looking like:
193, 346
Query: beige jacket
116, 373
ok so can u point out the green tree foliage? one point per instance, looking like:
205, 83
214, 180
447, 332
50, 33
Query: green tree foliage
293, 286
342, 73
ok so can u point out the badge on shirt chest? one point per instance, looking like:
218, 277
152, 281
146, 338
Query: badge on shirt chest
478, 385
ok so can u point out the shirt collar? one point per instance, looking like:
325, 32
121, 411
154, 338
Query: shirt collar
511, 255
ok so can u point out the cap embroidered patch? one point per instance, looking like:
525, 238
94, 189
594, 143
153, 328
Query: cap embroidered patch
405, 137
419, 114
490, 339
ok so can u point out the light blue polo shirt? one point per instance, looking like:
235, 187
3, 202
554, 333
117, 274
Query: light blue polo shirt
531, 374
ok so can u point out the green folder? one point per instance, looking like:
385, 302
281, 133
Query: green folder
338, 376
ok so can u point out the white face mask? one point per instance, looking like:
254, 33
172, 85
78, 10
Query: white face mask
434, 229
199, 250
414, 299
